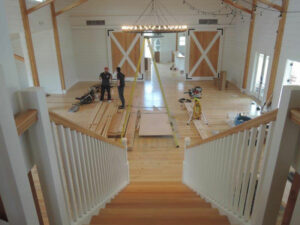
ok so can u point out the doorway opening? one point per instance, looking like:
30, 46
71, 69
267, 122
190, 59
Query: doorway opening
169, 54
261, 68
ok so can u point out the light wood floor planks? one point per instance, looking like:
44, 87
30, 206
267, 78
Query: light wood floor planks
156, 158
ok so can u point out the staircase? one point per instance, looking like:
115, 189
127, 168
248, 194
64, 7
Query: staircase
157, 203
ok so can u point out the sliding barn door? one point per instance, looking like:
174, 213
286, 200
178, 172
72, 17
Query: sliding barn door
125, 52
204, 53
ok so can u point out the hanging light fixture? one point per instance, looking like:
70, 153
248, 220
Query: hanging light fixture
162, 24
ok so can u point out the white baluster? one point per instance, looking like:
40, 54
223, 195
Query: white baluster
240, 170
256, 160
67, 165
79, 169
246, 177
85, 181
61, 168
89, 172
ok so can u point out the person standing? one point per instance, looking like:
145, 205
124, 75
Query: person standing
105, 86
121, 85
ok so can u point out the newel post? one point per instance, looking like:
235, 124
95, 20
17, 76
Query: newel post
44, 156
283, 149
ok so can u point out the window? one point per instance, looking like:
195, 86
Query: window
182, 41
260, 74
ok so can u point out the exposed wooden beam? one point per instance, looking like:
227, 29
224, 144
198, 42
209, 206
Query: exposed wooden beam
249, 46
271, 4
238, 6
277, 49
19, 58
57, 47
38, 6
29, 43
71, 6
25, 120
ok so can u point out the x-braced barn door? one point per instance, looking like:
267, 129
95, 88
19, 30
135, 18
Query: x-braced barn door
125, 52
204, 53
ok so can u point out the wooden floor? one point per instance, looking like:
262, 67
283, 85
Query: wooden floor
156, 158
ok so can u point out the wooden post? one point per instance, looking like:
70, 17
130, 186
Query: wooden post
289, 210
57, 47
249, 46
29, 43
277, 50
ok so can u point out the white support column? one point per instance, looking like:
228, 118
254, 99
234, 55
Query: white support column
282, 154
15, 189
44, 153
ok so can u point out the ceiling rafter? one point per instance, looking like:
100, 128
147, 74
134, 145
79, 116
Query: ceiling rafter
38, 6
238, 6
271, 4
71, 6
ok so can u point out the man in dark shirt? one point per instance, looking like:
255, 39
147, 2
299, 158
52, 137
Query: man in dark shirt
121, 85
105, 77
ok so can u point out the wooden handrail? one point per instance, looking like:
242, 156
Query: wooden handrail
59, 120
25, 120
295, 115
265, 118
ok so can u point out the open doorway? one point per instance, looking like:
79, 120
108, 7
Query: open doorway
169, 54
258, 84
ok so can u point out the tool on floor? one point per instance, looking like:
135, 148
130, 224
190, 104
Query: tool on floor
196, 113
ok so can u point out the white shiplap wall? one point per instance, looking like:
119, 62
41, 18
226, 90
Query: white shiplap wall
234, 53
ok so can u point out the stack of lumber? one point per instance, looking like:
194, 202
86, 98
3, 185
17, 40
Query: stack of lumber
116, 125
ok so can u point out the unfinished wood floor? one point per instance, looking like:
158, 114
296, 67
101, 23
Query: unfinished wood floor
156, 158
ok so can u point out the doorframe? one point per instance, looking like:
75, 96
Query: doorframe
187, 59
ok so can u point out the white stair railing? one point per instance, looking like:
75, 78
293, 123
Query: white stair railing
92, 169
79, 171
232, 169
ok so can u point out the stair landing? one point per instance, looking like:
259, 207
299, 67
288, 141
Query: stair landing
158, 203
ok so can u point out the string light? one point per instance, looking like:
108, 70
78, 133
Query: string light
155, 28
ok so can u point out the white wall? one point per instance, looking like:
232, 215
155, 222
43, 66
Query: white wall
90, 48
7, 63
290, 47
44, 47
234, 51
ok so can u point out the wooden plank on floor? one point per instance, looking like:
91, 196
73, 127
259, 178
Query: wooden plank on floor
116, 125
112, 110
104, 117
130, 131
98, 117
95, 116
155, 124
202, 129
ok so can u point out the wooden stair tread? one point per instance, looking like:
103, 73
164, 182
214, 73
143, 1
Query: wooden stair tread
156, 203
